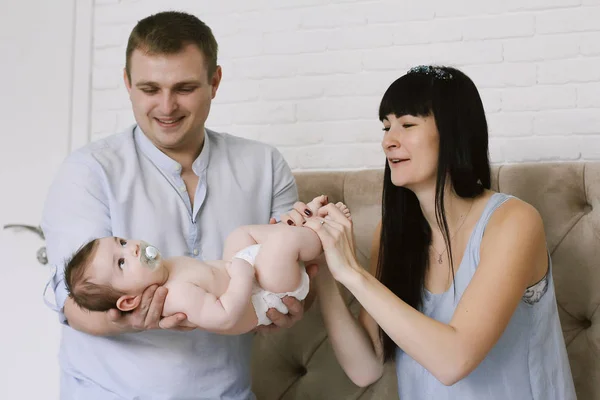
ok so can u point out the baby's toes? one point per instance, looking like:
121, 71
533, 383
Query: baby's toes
344, 209
341, 206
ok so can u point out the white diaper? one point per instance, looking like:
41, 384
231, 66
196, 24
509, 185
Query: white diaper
262, 300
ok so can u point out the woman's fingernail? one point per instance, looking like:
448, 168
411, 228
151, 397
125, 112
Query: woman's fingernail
303, 222
307, 212
289, 222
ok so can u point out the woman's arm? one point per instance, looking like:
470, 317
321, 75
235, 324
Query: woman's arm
356, 343
514, 242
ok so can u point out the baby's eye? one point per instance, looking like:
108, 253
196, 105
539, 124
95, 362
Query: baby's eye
123, 242
121, 262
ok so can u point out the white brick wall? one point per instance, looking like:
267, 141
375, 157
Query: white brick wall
307, 75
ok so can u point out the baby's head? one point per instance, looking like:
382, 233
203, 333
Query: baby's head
113, 272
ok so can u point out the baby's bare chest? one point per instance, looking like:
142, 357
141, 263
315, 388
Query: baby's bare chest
210, 276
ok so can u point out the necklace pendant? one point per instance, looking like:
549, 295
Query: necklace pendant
440, 259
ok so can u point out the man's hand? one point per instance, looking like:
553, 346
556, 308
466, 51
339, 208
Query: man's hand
295, 307
148, 314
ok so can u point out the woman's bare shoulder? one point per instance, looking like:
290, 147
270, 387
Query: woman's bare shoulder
513, 214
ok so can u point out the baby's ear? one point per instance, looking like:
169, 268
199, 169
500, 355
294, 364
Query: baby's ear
128, 303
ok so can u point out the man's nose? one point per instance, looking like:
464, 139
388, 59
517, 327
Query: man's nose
168, 103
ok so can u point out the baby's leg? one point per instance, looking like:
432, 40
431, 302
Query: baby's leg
237, 240
277, 268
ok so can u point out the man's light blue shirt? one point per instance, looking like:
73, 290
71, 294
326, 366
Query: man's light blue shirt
124, 186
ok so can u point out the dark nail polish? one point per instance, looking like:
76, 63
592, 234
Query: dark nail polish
307, 212
289, 222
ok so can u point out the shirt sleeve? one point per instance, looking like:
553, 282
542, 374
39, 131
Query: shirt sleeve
75, 212
285, 191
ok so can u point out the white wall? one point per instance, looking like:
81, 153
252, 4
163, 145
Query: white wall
36, 65
307, 75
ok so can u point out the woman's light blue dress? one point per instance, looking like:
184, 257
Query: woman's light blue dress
528, 362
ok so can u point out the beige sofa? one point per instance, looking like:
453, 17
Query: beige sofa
299, 363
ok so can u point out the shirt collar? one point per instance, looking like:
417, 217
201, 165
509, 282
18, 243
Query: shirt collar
201, 162
165, 162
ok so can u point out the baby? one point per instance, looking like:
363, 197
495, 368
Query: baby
262, 264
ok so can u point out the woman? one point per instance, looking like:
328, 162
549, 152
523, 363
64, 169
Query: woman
461, 295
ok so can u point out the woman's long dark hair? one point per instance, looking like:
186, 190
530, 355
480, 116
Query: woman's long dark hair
453, 100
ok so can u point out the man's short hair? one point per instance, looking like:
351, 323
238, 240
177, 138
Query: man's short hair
86, 294
168, 33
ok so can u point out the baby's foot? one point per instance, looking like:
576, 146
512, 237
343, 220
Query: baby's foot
317, 203
344, 209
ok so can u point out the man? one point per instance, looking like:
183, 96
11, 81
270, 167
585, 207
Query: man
175, 184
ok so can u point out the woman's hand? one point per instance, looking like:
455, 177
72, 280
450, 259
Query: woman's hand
301, 212
333, 225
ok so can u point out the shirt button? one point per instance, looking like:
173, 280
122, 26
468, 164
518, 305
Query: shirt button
196, 252
177, 168
182, 188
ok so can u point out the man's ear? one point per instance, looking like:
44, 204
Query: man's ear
128, 303
215, 81
126, 80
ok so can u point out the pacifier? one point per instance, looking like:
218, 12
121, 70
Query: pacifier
149, 255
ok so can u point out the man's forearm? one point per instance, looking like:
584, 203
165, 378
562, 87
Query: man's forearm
94, 323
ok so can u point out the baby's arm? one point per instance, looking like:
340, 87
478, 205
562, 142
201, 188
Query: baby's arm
210, 312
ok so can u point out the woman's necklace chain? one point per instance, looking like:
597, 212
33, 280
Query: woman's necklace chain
439, 258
